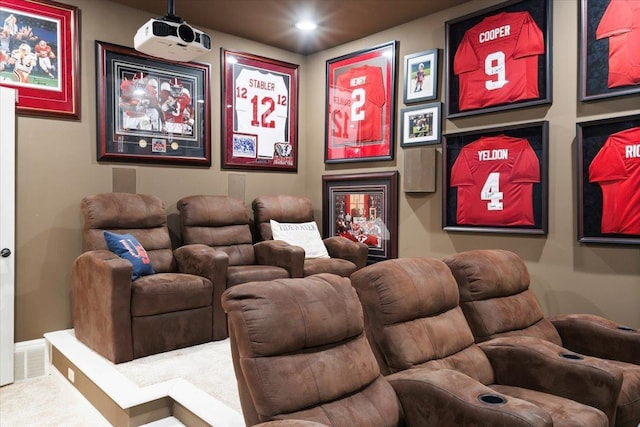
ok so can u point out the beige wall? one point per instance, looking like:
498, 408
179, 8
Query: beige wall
56, 167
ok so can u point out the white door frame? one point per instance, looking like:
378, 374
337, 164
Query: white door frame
7, 230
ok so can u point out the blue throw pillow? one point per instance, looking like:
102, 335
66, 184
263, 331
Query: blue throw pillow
128, 247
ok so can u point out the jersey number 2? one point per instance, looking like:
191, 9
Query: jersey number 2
341, 129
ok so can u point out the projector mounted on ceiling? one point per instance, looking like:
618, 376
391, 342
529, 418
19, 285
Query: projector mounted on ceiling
170, 37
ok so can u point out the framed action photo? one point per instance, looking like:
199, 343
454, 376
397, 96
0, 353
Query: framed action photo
608, 160
609, 48
421, 76
499, 58
40, 57
421, 125
151, 110
360, 110
259, 113
495, 180
363, 208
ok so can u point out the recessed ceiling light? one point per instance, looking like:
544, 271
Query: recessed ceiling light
306, 25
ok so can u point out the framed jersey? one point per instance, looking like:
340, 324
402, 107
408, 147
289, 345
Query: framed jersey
495, 180
151, 110
360, 107
608, 159
259, 113
609, 48
499, 58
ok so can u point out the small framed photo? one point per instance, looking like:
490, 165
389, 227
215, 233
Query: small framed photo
421, 76
40, 57
421, 125
151, 110
360, 109
495, 180
259, 113
608, 160
609, 49
363, 208
499, 58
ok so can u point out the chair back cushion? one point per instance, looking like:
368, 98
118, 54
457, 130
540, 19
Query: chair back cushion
413, 318
495, 295
140, 215
281, 208
299, 351
221, 222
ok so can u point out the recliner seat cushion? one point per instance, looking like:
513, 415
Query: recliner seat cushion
169, 292
338, 266
251, 273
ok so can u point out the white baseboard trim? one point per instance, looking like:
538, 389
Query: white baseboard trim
31, 359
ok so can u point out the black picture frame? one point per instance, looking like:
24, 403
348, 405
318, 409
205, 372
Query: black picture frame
540, 12
259, 113
614, 173
168, 124
421, 76
421, 125
527, 200
361, 89
363, 207
595, 50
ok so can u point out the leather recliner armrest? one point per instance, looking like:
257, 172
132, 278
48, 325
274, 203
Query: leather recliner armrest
599, 337
341, 247
446, 397
290, 423
101, 291
281, 254
537, 364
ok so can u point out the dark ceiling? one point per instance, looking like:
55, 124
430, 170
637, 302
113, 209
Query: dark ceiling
272, 21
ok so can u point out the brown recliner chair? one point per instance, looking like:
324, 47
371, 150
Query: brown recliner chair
413, 320
300, 352
497, 302
121, 318
345, 256
222, 223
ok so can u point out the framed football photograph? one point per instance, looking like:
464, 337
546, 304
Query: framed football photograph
608, 160
495, 180
40, 56
259, 113
499, 58
151, 110
364, 208
421, 125
609, 49
421, 76
360, 108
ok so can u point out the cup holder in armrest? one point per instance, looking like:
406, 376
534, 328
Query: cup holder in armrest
492, 399
572, 356
625, 328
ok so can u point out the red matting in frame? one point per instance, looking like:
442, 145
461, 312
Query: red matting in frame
259, 113
58, 25
360, 114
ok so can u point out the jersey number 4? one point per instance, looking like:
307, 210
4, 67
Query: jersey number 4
491, 192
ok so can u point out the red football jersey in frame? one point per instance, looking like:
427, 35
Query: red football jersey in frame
495, 177
497, 61
621, 24
616, 168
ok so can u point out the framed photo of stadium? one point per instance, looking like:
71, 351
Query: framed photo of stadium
259, 113
151, 110
499, 58
40, 57
421, 125
421, 76
364, 208
608, 164
609, 49
360, 109
495, 180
